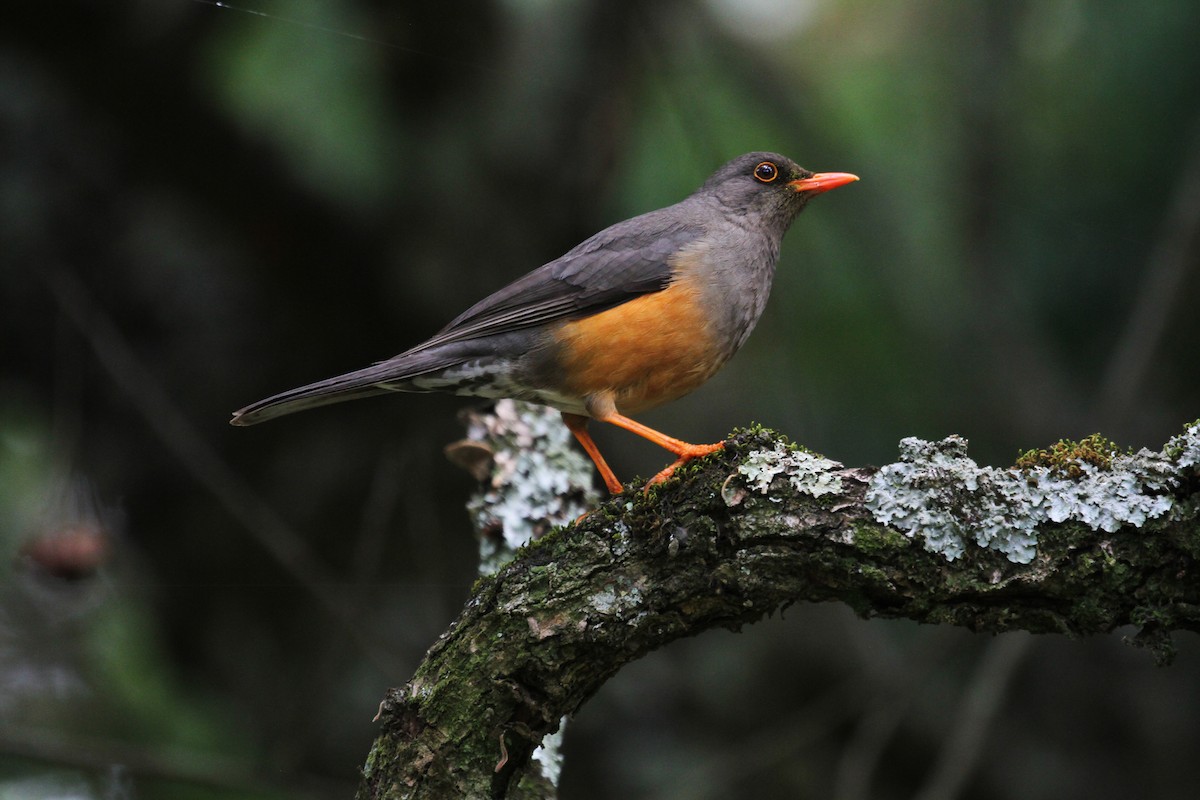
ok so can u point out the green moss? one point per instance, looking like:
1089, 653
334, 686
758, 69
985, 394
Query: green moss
874, 575
1065, 456
694, 467
755, 430
877, 538
758, 436
1176, 445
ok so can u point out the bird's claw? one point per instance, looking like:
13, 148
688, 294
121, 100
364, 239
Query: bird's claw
693, 451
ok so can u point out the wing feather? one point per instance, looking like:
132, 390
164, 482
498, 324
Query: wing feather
628, 259
620, 263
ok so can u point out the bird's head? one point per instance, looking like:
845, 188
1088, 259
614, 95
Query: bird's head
769, 185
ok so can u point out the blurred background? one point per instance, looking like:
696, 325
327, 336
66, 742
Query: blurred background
202, 205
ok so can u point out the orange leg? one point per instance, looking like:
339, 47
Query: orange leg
683, 451
578, 426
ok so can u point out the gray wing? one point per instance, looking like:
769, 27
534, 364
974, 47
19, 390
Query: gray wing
620, 263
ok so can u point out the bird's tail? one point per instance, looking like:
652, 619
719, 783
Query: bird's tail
378, 379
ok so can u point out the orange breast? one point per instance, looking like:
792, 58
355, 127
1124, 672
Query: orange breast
646, 352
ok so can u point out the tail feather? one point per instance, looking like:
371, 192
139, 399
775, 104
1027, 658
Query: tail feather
378, 379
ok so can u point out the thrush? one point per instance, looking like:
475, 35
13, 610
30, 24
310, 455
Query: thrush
638, 315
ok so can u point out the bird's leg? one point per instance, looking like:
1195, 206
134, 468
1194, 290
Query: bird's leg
577, 425
683, 451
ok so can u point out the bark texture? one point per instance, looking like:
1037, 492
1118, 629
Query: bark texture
538, 638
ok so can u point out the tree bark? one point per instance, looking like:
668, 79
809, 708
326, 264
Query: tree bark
727, 543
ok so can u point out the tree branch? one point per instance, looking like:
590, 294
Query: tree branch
760, 526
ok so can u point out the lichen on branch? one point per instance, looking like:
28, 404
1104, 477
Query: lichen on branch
935, 491
760, 525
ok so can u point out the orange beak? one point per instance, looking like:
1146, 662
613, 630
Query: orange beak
822, 182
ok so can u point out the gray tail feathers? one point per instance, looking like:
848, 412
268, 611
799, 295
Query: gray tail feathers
352, 385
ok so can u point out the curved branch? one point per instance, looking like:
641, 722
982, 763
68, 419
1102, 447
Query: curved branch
540, 637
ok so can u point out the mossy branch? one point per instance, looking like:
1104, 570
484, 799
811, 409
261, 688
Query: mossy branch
709, 549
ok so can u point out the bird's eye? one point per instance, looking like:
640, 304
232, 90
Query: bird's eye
766, 172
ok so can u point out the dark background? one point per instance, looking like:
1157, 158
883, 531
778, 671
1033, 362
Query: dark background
201, 206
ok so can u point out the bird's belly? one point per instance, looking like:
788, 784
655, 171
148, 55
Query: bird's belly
642, 353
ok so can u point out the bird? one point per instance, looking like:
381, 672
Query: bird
638, 315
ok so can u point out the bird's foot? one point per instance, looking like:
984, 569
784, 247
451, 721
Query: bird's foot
688, 453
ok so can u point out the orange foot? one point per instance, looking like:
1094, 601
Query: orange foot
692, 451
682, 451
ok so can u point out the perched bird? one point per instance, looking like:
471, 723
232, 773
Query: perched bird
638, 315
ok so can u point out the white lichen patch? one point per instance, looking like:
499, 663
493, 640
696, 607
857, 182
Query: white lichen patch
807, 473
1184, 449
548, 755
614, 600
1106, 499
937, 491
537, 481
